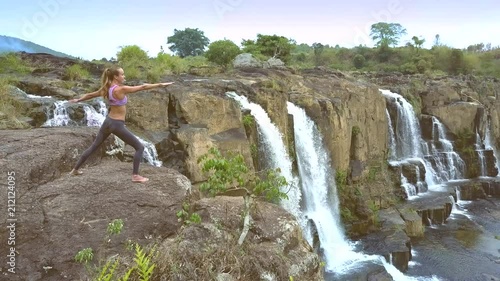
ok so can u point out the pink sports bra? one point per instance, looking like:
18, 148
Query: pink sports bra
113, 101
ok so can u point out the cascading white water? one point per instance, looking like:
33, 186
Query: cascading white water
446, 162
488, 144
58, 116
392, 138
440, 161
276, 154
408, 140
321, 204
320, 193
480, 153
94, 118
320, 201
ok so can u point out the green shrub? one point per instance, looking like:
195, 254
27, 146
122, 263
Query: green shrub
132, 54
359, 61
75, 72
222, 52
11, 63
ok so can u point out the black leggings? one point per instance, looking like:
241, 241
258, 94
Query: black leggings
116, 127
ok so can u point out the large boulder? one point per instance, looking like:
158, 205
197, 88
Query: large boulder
56, 215
246, 60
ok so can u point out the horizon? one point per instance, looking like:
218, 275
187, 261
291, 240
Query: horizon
67, 27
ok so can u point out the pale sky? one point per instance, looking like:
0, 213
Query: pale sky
94, 29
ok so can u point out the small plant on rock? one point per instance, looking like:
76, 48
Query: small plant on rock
232, 173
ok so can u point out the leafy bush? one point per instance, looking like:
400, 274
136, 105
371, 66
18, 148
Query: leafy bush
132, 54
75, 72
222, 52
359, 61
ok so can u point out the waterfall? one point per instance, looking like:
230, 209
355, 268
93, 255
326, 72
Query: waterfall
407, 126
58, 116
447, 163
440, 163
277, 156
488, 144
392, 138
319, 199
480, 153
94, 118
321, 204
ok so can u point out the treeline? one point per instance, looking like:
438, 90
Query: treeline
192, 49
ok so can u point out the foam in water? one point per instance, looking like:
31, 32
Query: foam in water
58, 116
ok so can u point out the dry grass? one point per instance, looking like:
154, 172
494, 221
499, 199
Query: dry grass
202, 259
10, 108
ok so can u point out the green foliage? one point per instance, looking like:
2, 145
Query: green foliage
456, 60
417, 42
272, 84
144, 263
359, 61
232, 172
225, 173
248, 120
270, 186
270, 46
11, 63
186, 217
356, 130
188, 42
85, 255
341, 180
108, 271
115, 227
75, 72
464, 141
222, 52
11, 109
132, 54
388, 34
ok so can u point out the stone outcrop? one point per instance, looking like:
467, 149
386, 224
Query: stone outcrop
59, 215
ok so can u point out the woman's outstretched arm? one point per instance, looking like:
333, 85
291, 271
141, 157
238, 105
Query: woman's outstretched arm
133, 89
88, 96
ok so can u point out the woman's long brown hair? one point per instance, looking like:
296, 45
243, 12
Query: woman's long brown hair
107, 78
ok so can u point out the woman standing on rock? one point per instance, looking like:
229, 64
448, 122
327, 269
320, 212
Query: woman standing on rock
116, 94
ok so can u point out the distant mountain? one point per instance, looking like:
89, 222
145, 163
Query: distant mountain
13, 44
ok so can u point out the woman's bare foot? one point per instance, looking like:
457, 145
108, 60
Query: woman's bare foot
138, 178
75, 172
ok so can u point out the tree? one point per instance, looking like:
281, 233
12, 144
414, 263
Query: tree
270, 45
456, 65
222, 52
418, 42
232, 174
437, 40
132, 54
318, 50
188, 42
386, 33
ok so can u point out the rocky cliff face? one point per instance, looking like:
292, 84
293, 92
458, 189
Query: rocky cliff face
193, 115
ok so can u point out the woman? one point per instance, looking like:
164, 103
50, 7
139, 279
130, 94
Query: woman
116, 93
